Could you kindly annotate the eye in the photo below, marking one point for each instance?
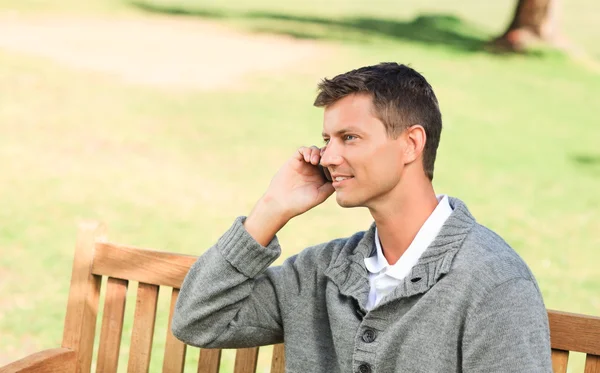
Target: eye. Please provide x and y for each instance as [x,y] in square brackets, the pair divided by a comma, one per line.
[349,137]
[326,141]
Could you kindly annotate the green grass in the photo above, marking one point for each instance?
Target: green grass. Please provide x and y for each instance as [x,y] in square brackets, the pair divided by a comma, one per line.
[172,169]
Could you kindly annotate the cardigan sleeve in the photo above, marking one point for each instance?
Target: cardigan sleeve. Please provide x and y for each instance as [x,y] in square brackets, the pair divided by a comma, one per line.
[230,298]
[508,331]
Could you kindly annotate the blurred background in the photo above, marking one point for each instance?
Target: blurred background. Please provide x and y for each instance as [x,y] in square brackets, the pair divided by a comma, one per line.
[166,119]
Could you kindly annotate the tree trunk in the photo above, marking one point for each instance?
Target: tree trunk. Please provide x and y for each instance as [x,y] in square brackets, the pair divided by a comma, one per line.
[534,21]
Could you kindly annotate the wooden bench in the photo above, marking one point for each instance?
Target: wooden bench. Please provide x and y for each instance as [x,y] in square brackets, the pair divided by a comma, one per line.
[96,258]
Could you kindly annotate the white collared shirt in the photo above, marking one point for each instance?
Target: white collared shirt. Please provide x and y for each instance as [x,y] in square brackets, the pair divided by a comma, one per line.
[383,278]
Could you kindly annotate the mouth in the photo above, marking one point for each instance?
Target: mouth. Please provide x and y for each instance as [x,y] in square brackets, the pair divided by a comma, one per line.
[339,181]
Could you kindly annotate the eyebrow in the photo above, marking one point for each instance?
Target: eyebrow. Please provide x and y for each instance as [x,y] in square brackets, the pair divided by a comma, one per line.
[343,131]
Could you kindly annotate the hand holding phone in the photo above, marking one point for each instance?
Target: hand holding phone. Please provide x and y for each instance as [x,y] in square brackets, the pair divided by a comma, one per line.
[293,190]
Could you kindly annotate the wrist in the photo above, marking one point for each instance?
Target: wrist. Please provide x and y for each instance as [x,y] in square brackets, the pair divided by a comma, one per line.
[274,208]
[265,220]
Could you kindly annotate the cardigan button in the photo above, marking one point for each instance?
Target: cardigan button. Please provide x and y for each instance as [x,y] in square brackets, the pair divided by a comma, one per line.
[368,336]
[364,368]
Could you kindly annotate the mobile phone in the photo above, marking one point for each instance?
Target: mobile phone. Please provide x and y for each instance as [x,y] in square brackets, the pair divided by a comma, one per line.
[325,172]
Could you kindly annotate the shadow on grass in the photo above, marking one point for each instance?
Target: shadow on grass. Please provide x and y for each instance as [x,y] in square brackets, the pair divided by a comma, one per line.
[588,162]
[444,30]
[587,159]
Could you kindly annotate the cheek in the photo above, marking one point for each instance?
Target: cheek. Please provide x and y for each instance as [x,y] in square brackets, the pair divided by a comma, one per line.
[385,160]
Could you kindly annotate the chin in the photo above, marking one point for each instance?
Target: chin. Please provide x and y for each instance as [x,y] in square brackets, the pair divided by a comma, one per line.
[346,202]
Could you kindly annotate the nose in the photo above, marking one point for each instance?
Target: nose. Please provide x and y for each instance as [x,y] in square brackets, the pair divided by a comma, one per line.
[330,157]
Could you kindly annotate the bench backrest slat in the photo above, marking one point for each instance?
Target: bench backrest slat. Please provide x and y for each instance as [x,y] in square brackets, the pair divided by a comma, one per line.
[592,364]
[278,360]
[560,358]
[210,361]
[135,264]
[112,325]
[245,360]
[143,328]
[573,332]
[174,358]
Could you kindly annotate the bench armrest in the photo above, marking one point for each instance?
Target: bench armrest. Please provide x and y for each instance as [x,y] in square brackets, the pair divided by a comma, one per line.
[56,360]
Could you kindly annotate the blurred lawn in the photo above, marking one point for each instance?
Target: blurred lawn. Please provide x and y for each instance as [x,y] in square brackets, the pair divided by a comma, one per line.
[171,169]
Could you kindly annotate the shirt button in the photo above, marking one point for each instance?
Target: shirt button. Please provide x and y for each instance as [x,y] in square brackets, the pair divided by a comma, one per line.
[364,368]
[368,336]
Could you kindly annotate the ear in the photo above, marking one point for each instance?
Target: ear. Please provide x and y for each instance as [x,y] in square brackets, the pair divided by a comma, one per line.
[415,139]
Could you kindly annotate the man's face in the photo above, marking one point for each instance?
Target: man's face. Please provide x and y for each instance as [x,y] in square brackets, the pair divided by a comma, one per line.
[364,162]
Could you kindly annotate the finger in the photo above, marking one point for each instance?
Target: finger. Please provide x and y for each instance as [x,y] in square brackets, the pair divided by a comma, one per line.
[303,154]
[307,154]
[315,156]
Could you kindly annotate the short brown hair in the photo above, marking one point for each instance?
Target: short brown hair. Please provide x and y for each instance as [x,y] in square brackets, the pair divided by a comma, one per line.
[401,97]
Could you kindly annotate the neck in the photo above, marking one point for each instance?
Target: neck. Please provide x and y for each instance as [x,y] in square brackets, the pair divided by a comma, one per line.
[399,222]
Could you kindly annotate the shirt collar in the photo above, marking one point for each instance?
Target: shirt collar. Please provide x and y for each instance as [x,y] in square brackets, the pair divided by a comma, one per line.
[377,262]
[422,240]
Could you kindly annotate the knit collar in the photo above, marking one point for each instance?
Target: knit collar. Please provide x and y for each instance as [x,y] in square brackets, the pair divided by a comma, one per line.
[349,273]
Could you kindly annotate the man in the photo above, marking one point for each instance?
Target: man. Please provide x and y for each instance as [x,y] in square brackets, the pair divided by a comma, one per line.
[425,289]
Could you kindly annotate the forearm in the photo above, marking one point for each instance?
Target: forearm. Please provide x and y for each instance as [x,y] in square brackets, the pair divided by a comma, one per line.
[265,220]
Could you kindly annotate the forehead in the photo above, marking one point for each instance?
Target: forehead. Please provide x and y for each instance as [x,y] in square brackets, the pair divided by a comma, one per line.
[353,111]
